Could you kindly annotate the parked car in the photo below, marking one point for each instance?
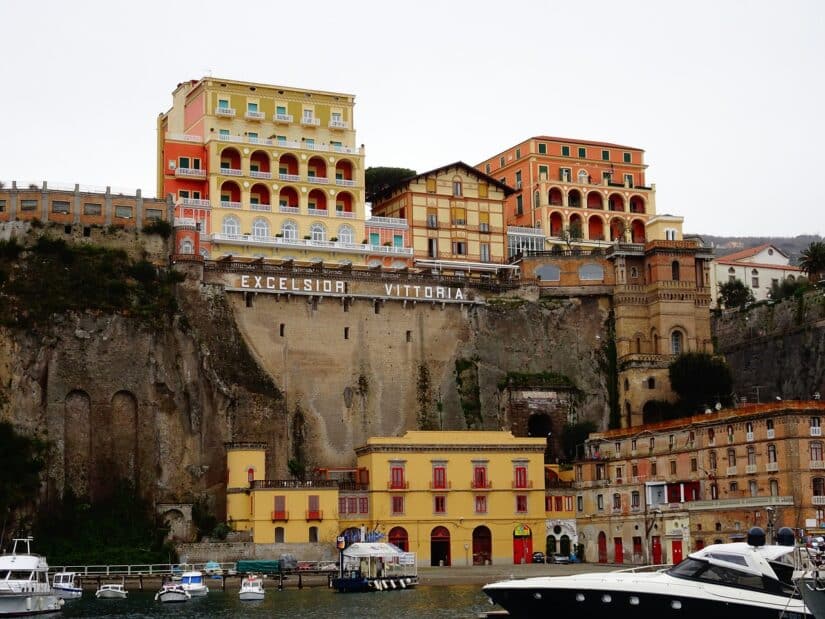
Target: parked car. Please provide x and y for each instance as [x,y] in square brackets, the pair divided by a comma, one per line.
[538,557]
[561,558]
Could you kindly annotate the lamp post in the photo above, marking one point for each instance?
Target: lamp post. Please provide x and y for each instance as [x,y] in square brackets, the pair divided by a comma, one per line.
[467,554]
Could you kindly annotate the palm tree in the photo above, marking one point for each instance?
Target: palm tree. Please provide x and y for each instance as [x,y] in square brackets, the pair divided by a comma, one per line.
[812,261]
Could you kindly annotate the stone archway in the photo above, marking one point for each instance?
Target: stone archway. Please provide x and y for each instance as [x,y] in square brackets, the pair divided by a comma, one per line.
[482,546]
[77,442]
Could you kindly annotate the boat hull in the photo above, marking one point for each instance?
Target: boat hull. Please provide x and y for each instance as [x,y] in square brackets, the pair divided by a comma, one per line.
[172,597]
[29,604]
[197,591]
[251,596]
[538,602]
[364,585]
[813,592]
[68,593]
[111,595]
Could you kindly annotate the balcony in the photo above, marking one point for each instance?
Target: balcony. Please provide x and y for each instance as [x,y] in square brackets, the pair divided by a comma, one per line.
[308,121]
[291,178]
[261,207]
[195,202]
[260,141]
[387,222]
[772,467]
[315,514]
[280,516]
[344,182]
[398,484]
[816,430]
[228,204]
[745,502]
[225,137]
[226,112]
[749,437]
[317,212]
[750,469]
[817,464]
[292,210]
[441,485]
[481,484]
[771,433]
[318,180]
[190,172]
[282,118]
[231,171]
[338,124]
[250,115]
[818,500]
[523,484]
[731,471]
[259,174]
[184,137]
[273,241]
[345,214]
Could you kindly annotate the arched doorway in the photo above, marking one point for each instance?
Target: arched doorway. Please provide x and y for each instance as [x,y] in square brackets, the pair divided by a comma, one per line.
[564,545]
[482,546]
[440,546]
[550,548]
[522,544]
[399,537]
[602,547]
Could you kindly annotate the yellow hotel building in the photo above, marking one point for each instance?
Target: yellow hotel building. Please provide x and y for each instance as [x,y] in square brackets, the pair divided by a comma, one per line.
[270,171]
[453,498]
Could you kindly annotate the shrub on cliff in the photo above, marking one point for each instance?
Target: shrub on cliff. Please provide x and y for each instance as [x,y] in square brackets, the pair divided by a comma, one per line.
[700,380]
[160,227]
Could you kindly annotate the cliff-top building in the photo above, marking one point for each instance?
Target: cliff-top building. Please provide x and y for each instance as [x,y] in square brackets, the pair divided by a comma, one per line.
[269,172]
[759,268]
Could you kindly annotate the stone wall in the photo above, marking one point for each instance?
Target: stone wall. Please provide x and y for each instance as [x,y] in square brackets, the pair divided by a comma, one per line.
[226,552]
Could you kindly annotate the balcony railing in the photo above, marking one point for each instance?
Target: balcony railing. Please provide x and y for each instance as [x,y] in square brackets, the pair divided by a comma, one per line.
[270,241]
[230,204]
[338,124]
[398,485]
[818,500]
[771,467]
[390,222]
[261,141]
[231,171]
[771,434]
[749,437]
[731,470]
[441,485]
[282,118]
[318,212]
[195,202]
[481,484]
[190,172]
[345,214]
[750,469]
[315,514]
[816,430]
[293,178]
[527,483]
[310,122]
[318,180]
[261,207]
[818,464]
[280,516]
[184,137]
[259,174]
[293,484]
[344,182]
[225,111]
[250,115]
[294,210]
[225,137]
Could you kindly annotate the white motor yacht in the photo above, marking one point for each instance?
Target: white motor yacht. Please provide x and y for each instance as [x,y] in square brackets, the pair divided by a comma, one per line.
[252,588]
[723,580]
[172,592]
[66,585]
[193,584]
[24,583]
[111,592]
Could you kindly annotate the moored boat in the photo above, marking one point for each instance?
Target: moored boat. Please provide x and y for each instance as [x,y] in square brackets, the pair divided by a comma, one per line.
[252,588]
[24,583]
[66,585]
[172,592]
[192,582]
[111,592]
[723,580]
[376,567]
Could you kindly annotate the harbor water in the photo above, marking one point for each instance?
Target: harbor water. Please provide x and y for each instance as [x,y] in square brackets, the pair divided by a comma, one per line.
[308,603]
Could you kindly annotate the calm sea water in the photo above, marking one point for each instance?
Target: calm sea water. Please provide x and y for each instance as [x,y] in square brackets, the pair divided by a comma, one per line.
[318,602]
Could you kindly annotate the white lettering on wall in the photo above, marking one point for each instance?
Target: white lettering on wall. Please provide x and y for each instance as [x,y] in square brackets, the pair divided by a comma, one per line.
[329,286]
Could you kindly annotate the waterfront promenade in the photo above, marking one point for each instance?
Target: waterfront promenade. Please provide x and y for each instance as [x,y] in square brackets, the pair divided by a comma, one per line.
[482,574]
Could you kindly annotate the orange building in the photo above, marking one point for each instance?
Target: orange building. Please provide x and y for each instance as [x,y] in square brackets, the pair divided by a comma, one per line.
[593,192]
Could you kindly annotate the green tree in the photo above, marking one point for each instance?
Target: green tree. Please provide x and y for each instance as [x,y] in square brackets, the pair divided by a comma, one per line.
[734,294]
[700,379]
[22,459]
[787,288]
[379,178]
[573,435]
[812,261]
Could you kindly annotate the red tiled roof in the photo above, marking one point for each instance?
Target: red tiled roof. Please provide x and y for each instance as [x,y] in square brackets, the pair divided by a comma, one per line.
[577,141]
[751,251]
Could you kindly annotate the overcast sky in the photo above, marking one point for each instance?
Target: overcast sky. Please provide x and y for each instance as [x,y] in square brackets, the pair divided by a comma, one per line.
[725,97]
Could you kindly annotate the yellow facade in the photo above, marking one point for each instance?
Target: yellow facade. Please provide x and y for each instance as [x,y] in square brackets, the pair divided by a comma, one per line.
[459,516]
[245,462]
[294,512]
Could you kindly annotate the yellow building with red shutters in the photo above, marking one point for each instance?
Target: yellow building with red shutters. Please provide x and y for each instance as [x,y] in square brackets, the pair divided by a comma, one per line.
[453,498]
[268,171]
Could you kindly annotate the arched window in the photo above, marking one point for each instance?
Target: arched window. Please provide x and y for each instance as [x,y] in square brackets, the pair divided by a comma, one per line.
[712,460]
[731,274]
[260,227]
[186,247]
[731,457]
[714,493]
[231,225]
[289,229]
[346,234]
[771,453]
[676,343]
[711,436]
[583,176]
[674,270]
[318,232]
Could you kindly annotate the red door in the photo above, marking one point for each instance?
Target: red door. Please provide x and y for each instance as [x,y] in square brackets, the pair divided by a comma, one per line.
[618,552]
[656,549]
[676,551]
[602,547]
[522,549]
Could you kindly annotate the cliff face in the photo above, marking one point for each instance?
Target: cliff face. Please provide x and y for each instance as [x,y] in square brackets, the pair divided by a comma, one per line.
[313,380]
[776,350]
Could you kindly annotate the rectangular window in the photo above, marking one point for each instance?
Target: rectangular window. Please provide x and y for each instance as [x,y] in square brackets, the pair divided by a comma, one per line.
[557,501]
[2,206]
[460,248]
[568,503]
[398,240]
[634,499]
[375,238]
[520,477]
[223,104]
[628,180]
[252,135]
[28,205]
[542,148]
[363,505]
[484,252]
[548,504]
[251,107]
[398,505]
[654,468]
[352,504]
[521,504]
[543,172]
[579,504]
[626,158]
[342,506]
[439,477]
[565,175]
[153,213]
[92,209]
[457,188]
[600,502]
[440,504]
[431,185]
[60,206]
[432,248]
[309,142]
[518,179]
[124,212]
[223,132]
[565,151]
[481,504]
[519,205]
[280,110]
[459,216]
[501,162]
[605,155]
[397,477]
[694,465]
[617,501]
[518,153]
[582,152]
[673,467]
[480,477]
[487,168]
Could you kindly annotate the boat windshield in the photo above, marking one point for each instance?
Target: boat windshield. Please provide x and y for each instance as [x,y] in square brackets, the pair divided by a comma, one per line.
[696,569]
[15,575]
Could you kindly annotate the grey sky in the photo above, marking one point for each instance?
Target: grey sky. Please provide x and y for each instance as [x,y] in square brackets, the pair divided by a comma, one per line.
[725,97]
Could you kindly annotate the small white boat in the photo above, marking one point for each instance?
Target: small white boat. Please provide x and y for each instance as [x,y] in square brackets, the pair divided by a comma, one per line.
[24,583]
[111,592]
[172,592]
[66,585]
[252,588]
[193,584]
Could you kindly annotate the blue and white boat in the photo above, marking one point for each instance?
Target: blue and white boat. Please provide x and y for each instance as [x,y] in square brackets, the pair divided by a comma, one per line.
[192,582]
[67,585]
